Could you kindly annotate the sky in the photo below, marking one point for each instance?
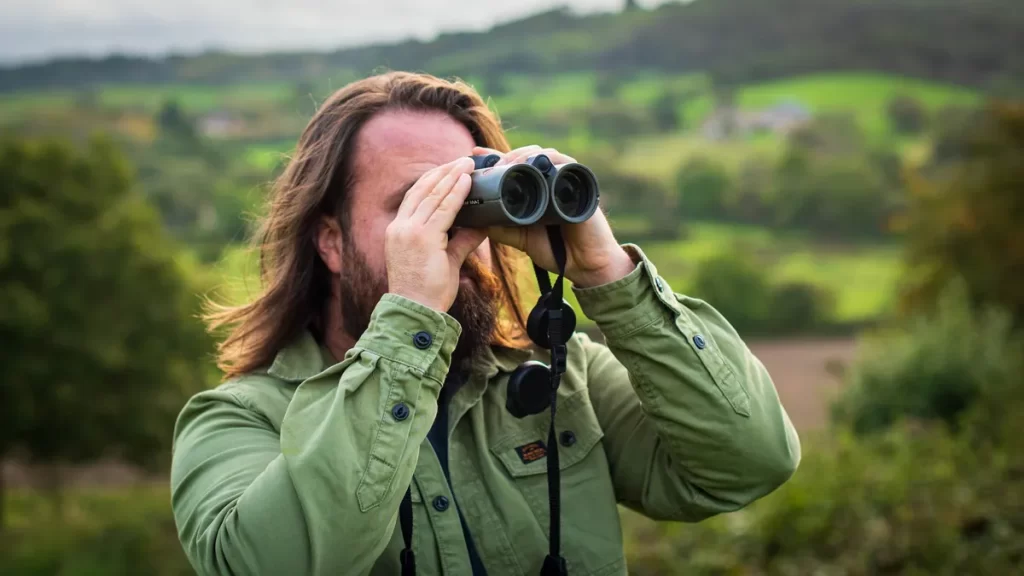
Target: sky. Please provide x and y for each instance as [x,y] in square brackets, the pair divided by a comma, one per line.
[34,30]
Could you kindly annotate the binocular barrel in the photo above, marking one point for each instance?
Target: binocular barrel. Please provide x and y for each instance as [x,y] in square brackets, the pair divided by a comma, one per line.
[535,192]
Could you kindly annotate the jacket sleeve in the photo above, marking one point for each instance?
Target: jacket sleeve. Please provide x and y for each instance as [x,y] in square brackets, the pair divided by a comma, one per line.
[321,495]
[693,424]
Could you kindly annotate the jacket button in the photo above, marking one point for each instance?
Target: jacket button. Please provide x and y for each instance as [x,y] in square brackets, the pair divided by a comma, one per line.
[400,411]
[441,503]
[567,438]
[422,340]
[698,341]
[657,282]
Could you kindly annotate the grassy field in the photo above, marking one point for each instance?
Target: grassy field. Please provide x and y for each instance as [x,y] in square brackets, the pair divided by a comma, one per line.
[865,95]
[862,277]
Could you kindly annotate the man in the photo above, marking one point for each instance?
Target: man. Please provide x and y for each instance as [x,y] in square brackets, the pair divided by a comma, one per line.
[375,363]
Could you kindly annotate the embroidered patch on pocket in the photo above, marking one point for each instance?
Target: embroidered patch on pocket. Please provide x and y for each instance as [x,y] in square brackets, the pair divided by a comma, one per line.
[532,451]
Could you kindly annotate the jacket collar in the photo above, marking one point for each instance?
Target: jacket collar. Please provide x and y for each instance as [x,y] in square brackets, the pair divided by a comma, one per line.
[304,358]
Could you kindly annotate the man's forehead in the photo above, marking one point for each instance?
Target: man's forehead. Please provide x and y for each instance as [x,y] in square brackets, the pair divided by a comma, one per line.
[412,139]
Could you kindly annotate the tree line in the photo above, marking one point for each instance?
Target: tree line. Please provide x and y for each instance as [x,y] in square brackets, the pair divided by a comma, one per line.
[979,44]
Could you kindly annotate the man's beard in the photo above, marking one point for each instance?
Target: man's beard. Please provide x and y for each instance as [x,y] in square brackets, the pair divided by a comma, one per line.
[475,306]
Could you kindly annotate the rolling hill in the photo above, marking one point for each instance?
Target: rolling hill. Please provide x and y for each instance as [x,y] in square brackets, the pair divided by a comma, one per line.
[979,44]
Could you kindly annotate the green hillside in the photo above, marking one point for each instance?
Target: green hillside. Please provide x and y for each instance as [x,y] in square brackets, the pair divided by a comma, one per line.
[735,41]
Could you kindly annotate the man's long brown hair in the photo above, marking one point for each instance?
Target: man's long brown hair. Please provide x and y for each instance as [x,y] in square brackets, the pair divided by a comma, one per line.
[295,282]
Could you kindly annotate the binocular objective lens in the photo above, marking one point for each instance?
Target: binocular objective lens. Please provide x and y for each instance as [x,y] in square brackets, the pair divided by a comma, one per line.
[571,194]
[520,195]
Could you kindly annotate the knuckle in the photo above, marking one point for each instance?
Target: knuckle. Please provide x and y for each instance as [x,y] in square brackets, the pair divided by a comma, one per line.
[397,231]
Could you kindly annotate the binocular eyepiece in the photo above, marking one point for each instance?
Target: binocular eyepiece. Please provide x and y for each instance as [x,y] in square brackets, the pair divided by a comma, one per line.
[536,192]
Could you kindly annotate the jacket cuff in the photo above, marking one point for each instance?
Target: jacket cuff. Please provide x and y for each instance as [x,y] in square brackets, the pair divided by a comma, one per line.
[407,332]
[631,303]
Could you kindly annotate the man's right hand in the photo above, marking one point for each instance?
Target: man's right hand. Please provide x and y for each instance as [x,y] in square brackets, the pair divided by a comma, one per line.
[422,261]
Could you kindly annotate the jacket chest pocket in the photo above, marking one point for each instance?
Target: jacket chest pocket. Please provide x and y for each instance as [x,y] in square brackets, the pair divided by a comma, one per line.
[591,533]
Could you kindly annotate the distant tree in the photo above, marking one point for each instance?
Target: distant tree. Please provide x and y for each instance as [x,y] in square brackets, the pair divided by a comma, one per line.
[645,199]
[173,121]
[836,197]
[748,198]
[607,84]
[966,214]
[101,343]
[801,307]
[737,286]
[703,185]
[612,120]
[665,112]
[833,133]
[830,183]
[907,115]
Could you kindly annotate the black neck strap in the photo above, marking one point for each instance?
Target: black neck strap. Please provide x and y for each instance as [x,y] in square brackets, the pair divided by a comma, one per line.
[554,564]
[405,519]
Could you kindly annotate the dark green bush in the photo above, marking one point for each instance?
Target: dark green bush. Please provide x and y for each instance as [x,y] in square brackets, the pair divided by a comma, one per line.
[108,532]
[935,368]
[738,286]
[801,307]
[911,500]
[703,185]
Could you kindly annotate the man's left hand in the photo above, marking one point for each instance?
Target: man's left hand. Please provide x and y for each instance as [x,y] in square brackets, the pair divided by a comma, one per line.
[593,256]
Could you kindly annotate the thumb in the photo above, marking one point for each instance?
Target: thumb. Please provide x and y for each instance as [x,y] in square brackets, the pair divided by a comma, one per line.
[463,242]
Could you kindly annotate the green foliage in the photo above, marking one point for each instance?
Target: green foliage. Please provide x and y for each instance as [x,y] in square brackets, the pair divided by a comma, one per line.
[934,368]
[916,496]
[703,185]
[966,212]
[908,501]
[665,112]
[736,41]
[630,197]
[907,115]
[738,287]
[101,340]
[829,184]
[118,532]
[802,307]
[611,120]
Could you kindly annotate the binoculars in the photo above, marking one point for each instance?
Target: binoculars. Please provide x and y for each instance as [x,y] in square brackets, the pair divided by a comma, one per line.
[535,192]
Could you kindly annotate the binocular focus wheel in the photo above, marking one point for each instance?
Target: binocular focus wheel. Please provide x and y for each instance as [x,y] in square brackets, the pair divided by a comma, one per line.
[528,389]
[537,323]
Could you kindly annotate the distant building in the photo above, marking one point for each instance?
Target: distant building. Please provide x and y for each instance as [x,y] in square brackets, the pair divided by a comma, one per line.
[780,119]
[221,124]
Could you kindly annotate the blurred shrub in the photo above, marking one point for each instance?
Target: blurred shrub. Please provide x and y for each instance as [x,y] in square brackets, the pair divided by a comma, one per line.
[738,287]
[907,115]
[910,500]
[934,369]
[801,307]
[101,343]
[646,199]
[832,197]
[966,210]
[702,185]
[614,120]
[113,532]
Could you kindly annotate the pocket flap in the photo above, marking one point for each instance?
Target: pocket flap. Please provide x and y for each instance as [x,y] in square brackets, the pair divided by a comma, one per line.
[523,451]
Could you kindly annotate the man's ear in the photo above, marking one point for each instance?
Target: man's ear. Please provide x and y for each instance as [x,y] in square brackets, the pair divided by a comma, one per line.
[329,243]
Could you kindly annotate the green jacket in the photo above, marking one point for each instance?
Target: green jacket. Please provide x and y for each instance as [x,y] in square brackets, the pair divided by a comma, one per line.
[300,468]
